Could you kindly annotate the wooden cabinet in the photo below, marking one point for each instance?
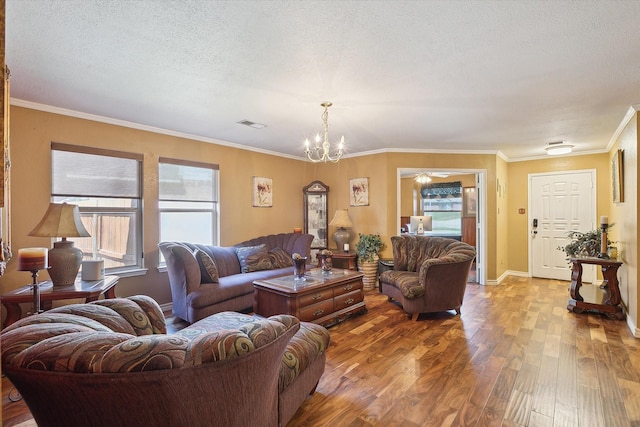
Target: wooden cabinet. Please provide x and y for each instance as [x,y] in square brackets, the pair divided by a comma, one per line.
[315,213]
[469,230]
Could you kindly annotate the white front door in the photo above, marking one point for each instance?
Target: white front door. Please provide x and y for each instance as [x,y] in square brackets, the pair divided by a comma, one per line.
[558,203]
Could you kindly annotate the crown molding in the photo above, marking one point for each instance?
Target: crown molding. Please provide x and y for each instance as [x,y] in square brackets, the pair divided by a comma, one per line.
[632,111]
[138,126]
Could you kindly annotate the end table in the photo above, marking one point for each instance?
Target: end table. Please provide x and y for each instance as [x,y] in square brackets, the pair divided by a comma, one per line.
[604,299]
[89,290]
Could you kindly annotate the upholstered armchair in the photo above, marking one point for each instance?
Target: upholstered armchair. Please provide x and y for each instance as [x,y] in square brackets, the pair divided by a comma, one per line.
[429,273]
[110,363]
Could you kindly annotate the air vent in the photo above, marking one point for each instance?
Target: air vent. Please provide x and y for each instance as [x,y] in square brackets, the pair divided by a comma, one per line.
[252,124]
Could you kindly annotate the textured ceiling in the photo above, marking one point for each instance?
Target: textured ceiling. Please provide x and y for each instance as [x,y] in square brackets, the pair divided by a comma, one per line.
[504,76]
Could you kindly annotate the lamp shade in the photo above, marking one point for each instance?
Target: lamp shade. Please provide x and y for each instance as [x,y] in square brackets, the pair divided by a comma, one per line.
[341,219]
[60,220]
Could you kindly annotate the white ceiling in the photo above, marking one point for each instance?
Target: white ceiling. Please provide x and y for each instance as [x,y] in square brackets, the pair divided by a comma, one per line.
[504,76]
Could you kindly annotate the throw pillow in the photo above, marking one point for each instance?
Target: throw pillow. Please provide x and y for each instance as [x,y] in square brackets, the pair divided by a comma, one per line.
[253,258]
[280,258]
[208,268]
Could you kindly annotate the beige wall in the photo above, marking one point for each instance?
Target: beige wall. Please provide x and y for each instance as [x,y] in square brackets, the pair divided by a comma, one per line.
[32,132]
[502,189]
[518,197]
[624,215]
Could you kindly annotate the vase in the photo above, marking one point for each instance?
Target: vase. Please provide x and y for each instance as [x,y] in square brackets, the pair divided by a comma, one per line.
[326,263]
[299,268]
[370,271]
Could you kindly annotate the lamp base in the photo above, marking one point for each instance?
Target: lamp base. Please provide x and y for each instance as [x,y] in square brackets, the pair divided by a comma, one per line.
[341,237]
[64,263]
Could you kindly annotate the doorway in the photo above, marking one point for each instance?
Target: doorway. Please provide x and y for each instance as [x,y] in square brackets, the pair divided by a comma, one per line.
[558,203]
[480,207]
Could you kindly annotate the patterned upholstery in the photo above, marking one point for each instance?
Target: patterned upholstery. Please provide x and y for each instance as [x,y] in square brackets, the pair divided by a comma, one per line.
[429,273]
[309,344]
[120,346]
[117,335]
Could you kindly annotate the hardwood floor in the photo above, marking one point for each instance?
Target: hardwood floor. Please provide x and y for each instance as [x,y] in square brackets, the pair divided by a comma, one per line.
[515,357]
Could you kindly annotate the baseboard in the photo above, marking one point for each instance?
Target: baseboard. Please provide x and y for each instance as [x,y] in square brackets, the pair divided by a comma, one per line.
[506,274]
[632,327]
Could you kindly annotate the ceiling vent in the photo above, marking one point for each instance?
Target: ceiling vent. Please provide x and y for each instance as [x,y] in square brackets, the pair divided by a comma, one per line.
[252,124]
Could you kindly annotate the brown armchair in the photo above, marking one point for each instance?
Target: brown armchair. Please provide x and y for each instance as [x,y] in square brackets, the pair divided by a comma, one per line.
[110,363]
[429,273]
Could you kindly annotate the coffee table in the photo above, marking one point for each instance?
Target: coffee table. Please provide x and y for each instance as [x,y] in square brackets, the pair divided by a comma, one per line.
[322,298]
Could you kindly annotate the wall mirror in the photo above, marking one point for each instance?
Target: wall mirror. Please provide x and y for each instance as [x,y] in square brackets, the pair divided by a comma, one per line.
[315,213]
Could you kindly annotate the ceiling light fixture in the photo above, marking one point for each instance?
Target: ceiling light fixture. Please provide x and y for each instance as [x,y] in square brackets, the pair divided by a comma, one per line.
[423,178]
[559,147]
[320,152]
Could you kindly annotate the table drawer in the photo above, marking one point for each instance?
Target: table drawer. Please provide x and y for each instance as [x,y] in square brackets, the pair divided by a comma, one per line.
[346,300]
[347,287]
[315,297]
[316,311]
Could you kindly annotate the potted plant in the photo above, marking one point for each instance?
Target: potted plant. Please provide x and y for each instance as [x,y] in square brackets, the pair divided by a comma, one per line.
[584,244]
[368,248]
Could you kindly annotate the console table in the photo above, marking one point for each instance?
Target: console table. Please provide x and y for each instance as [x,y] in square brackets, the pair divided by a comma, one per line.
[604,299]
[348,260]
[89,290]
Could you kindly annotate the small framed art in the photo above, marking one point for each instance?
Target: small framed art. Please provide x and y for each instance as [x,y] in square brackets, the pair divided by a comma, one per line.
[617,177]
[359,191]
[262,192]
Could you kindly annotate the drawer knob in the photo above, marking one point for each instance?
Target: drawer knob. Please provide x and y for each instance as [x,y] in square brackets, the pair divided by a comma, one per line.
[317,296]
[348,287]
[318,312]
[349,301]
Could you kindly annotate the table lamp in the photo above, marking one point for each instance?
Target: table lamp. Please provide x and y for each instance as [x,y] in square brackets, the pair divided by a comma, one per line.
[33,260]
[341,236]
[62,220]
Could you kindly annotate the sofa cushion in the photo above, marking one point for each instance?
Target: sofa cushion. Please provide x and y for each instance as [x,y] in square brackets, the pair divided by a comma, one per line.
[253,258]
[408,282]
[309,343]
[208,268]
[280,258]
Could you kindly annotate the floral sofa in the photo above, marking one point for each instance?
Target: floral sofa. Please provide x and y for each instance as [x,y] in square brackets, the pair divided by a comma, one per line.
[209,279]
[109,362]
[429,273]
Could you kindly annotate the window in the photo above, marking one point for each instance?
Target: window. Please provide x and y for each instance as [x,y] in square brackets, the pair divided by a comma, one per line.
[106,186]
[188,201]
[443,201]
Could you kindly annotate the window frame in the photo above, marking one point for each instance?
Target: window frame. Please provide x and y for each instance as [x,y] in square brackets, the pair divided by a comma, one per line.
[138,211]
[215,200]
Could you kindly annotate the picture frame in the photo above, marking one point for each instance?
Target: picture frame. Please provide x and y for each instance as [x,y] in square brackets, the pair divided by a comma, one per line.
[469,202]
[359,191]
[262,192]
[617,177]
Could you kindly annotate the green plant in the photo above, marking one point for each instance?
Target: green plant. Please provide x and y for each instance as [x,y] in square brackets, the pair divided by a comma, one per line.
[584,244]
[368,247]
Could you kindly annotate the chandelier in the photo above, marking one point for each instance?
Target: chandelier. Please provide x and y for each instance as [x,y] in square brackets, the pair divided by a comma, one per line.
[320,152]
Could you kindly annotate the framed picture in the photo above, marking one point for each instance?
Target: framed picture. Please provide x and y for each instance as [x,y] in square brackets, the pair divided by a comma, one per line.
[469,201]
[359,191]
[617,177]
[262,192]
